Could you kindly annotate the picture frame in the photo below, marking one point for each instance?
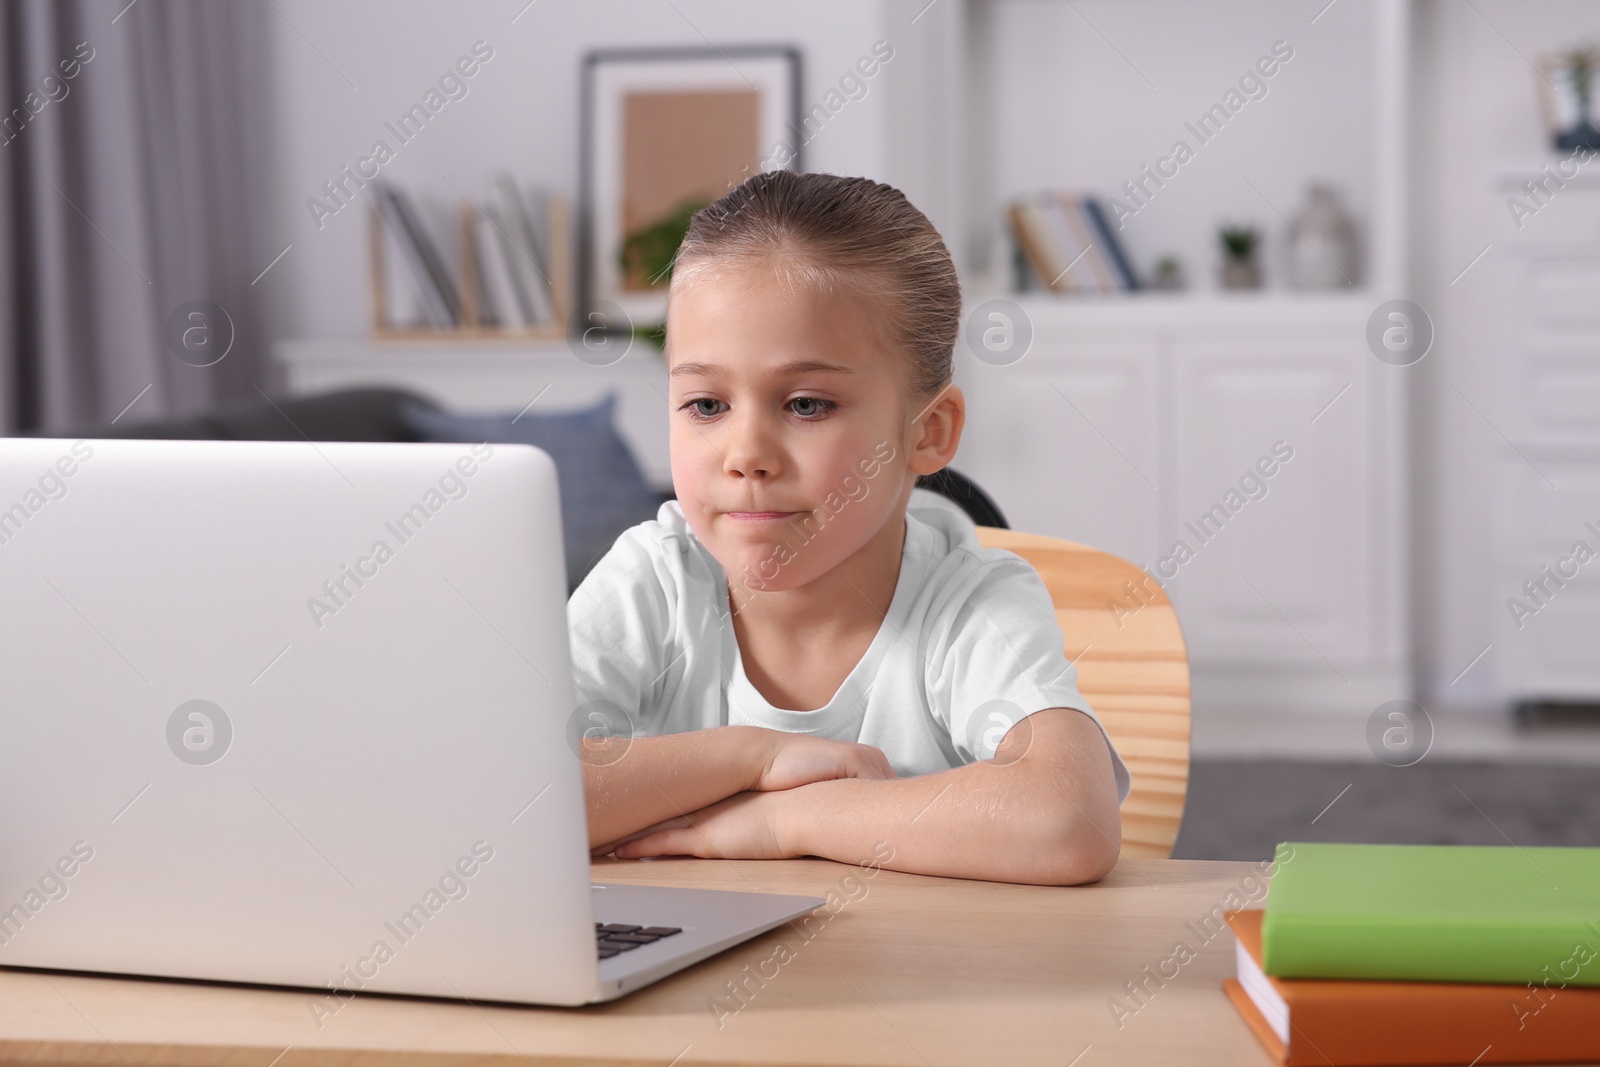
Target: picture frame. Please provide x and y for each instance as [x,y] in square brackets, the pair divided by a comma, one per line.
[1569,98]
[665,131]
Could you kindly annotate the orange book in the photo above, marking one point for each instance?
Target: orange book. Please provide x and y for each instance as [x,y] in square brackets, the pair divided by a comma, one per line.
[1095,260]
[1318,1023]
[1037,246]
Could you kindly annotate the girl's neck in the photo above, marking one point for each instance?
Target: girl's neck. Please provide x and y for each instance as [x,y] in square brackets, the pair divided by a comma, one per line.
[852,595]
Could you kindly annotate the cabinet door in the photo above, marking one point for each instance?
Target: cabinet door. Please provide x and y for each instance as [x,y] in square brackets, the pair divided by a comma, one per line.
[1553,387]
[1066,442]
[1547,587]
[1278,568]
[1546,398]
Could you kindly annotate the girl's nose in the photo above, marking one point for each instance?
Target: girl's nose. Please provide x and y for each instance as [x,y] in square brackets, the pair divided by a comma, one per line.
[748,449]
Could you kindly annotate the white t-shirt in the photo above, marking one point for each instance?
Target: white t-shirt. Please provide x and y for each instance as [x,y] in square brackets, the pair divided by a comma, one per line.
[969,647]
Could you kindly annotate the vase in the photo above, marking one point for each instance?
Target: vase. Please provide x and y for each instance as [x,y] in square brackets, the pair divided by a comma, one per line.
[1322,243]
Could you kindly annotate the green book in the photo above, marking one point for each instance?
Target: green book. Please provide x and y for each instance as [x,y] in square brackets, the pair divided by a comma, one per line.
[1434,913]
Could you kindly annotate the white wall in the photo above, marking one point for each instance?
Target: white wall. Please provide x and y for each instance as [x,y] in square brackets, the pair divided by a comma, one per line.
[1061,77]
[521,111]
[1087,94]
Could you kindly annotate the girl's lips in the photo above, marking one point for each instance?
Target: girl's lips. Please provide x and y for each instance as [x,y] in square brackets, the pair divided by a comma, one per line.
[758,516]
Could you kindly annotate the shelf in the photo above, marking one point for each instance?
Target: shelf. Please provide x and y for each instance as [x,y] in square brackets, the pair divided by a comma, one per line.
[1509,176]
[1195,307]
[472,334]
[426,351]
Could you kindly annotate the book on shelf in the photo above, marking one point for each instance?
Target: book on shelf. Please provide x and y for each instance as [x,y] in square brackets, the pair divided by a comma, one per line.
[1069,249]
[402,301]
[1067,244]
[531,270]
[493,265]
[501,300]
[1310,1022]
[431,287]
[1096,268]
[1113,250]
[1031,236]
[440,222]
[1434,913]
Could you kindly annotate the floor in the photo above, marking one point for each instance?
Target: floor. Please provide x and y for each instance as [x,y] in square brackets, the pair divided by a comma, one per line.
[1239,809]
[1489,736]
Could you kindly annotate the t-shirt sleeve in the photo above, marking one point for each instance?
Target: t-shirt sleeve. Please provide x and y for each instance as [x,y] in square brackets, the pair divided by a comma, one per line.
[1003,660]
[619,620]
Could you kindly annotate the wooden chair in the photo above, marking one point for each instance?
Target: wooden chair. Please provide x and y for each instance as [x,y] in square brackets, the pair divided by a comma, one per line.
[1123,635]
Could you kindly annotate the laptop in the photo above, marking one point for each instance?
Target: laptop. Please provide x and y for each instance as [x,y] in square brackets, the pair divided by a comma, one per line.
[302,714]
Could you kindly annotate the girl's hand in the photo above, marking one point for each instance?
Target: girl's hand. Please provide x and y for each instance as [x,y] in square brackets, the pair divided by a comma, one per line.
[746,826]
[799,759]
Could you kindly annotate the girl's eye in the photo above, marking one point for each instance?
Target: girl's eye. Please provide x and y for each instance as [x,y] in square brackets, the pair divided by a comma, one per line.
[697,408]
[705,408]
[810,407]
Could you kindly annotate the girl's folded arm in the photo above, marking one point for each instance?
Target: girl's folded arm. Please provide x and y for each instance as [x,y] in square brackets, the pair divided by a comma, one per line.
[1044,811]
[634,783]
[631,783]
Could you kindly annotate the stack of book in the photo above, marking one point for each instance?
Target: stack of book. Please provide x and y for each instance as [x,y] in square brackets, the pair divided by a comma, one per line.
[1400,954]
[1070,245]
[489,263]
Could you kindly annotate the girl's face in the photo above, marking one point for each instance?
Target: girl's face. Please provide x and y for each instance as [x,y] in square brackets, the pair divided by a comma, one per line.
[790,423]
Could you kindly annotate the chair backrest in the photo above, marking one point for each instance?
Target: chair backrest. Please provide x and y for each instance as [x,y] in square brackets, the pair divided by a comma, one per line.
[1123,634]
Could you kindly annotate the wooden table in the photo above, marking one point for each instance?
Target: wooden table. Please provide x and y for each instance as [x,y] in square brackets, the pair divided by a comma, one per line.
[907,970]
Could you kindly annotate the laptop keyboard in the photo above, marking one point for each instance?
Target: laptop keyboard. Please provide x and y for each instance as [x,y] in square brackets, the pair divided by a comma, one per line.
[612,938]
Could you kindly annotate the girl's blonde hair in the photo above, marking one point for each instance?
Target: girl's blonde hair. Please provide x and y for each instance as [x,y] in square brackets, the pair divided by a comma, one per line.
[840,235]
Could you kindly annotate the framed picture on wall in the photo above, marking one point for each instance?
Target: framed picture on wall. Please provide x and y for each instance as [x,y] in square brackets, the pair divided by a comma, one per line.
[665,132]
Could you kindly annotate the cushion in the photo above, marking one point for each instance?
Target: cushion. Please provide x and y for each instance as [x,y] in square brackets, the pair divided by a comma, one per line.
[603,491]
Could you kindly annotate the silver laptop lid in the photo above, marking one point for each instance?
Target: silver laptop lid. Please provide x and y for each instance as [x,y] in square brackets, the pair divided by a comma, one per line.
[290,713]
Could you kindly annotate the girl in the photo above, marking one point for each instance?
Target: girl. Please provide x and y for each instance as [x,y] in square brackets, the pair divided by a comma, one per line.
[805,659]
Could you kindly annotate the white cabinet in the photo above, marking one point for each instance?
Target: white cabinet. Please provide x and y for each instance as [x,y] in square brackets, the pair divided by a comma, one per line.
[1547,569]
[1282,575]
[1549,646]
[1070,450]
[1242,451]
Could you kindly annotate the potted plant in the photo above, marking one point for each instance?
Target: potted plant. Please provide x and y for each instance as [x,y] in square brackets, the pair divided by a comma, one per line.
[1240,268]
[1168,274]
[648,254]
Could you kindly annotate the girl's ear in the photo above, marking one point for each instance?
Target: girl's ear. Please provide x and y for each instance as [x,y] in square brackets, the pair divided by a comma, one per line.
[936,432]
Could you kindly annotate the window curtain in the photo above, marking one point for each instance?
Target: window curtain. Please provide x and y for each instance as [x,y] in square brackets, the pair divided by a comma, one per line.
[131,169]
